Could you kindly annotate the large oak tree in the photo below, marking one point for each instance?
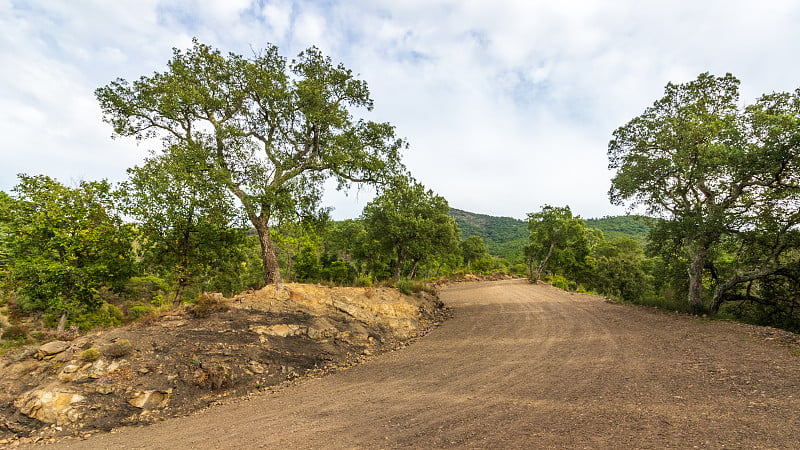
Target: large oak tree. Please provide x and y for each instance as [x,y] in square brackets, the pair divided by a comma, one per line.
[717,171]
[268,130]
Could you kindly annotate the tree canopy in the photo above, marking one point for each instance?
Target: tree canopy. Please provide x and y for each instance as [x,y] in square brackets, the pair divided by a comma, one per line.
[67,243]
[268,130]
[411,224]
[716,171]
[557,239]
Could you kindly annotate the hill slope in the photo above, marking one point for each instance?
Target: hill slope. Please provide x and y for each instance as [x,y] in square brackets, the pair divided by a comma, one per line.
[613,227]
[504,236]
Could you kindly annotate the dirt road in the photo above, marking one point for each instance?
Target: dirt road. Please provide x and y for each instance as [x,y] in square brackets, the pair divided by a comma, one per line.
[525,366]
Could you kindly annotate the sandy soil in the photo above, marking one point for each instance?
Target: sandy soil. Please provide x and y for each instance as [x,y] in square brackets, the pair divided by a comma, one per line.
[525,366]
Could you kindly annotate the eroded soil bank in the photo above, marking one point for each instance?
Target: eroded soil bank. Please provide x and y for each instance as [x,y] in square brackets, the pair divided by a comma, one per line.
[190,358]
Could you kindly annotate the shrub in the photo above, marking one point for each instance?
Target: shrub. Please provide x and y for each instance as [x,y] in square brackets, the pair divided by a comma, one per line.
[363,281]
[118,349]
[107,315]
[139,311]
[207,304]
[410,287]
[90,354]
[562,283]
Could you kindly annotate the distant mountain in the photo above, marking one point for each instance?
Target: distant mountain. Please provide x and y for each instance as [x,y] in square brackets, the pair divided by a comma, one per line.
[504,236]
[636,227]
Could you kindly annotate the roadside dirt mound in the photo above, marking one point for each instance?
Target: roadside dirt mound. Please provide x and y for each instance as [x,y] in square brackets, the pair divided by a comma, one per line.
[195,356]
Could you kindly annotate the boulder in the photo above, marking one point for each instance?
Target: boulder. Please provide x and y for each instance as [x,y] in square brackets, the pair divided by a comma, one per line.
[52,348]
[150,399]
[50,406]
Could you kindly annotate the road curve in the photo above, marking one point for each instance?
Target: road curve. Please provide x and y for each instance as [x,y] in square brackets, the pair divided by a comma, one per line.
[523,365]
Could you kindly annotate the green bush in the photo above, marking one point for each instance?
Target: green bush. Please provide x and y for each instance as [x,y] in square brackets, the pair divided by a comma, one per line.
[363,281]
[107,315]
[118,349]
[411,287]
[138,311]
[562,283]
[90,354]
[207,304]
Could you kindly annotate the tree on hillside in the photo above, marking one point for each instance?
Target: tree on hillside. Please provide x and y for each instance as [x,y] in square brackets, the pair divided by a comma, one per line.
[67,243]
[410,224]
[714,170]
[473,249]
[557,241]
[620,269]
[268,131]
[184,221]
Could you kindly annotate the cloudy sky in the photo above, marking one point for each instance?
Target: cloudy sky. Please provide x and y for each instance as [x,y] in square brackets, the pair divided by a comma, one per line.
[507,105]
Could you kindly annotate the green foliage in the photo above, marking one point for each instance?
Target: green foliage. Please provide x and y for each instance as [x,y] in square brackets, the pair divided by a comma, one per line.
[473,249]
[412,287]
[118,349]
[67,243]
[725,177]
[182,218]
[90,354]
[207,304]
[410,226]
[634,227]
[561,282]
[504,237]
[621,270]
[106,315]
[136,312]
[558,242]
[267,131]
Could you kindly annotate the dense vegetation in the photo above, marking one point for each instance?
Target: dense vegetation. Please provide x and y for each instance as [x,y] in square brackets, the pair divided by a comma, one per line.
[504,236]
[231,201]
[634,227]
[724,180]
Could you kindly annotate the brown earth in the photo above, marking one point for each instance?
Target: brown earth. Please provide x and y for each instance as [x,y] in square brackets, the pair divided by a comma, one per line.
[191,358]
[524,365]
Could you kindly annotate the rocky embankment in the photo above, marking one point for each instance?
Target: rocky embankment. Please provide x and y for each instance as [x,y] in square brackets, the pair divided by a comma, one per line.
[192,357]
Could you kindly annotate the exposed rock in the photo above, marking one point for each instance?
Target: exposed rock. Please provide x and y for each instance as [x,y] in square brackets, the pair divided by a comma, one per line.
[281,330]
[52,348]
[150,399]
[50,406]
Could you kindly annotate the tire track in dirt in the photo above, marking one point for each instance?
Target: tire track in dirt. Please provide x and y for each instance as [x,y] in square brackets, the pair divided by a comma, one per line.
[523,366]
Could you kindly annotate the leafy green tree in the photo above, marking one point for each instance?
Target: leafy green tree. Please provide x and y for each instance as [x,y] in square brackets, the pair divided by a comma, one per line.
[184,222]
[711,167]
[473,249]
[558,241]
[411,224]
[67,243]
[621,269]
[6,203]
[269,132]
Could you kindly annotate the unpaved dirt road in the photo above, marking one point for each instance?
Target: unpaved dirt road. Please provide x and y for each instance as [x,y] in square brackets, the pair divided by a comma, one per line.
[524,366]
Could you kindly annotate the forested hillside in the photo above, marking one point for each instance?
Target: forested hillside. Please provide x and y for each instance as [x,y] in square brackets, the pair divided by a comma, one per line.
[636,227]
[504,236]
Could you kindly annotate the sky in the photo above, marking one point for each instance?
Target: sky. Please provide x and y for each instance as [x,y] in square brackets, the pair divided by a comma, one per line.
[507,105]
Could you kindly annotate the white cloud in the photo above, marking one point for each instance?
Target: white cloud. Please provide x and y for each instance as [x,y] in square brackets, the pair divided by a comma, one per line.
[507,104]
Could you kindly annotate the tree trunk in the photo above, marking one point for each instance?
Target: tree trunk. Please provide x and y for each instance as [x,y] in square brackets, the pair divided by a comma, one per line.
[399,267]
[542,265]
[272,272]
[62,322]
[414,269]
[698,255]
